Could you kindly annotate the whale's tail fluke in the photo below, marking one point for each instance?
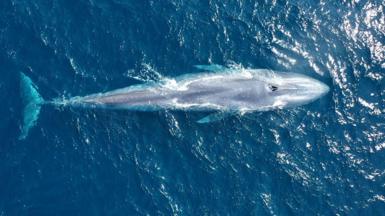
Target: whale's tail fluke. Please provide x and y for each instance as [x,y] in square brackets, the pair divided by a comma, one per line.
[32,102]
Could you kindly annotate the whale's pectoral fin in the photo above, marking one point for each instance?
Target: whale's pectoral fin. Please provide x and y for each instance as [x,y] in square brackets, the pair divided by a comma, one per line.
[211,67]
[215,117]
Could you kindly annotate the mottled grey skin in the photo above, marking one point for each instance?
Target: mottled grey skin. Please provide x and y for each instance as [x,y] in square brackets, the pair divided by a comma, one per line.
[233,90]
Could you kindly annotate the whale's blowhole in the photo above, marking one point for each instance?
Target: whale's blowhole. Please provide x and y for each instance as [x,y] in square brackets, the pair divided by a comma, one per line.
[273,87]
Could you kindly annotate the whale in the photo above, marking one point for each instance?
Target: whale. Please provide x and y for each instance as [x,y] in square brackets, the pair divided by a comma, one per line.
[225,91]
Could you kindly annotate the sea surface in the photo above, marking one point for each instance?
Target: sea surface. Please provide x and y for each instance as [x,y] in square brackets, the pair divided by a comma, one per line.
[325,158]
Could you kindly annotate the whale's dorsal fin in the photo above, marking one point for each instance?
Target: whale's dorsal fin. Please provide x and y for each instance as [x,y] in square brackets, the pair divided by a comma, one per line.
[211,67]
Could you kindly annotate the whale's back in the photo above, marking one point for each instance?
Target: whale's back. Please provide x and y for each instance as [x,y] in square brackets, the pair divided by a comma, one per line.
[200,92]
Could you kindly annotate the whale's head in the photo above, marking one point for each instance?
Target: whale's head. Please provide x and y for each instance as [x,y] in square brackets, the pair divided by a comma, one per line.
[291,89]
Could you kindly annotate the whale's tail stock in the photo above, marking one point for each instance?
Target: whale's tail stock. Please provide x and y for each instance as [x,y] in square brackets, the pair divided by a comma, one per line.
[32,102]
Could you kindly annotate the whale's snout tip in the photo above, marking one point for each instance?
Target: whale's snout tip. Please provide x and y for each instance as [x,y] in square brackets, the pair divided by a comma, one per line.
[322,88]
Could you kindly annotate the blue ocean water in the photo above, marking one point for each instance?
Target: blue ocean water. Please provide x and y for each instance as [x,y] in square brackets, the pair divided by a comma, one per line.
[325,158]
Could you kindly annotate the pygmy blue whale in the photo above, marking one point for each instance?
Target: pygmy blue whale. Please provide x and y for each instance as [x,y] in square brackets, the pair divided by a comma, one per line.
[225,90]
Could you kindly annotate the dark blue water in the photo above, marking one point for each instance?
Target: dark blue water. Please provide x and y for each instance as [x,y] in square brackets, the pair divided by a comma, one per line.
[325,158]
